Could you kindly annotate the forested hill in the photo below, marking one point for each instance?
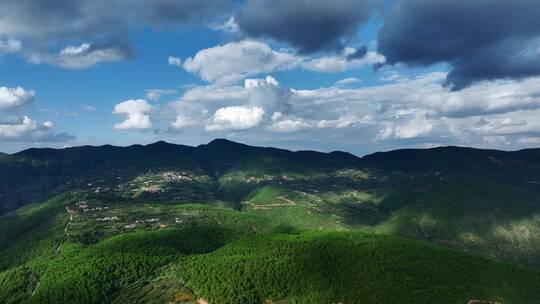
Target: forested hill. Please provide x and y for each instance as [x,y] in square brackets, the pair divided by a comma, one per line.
[219,153]
[455,159]
[36,174]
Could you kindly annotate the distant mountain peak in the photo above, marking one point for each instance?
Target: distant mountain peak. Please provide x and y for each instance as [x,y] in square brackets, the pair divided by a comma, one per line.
[223,141]
[159,143]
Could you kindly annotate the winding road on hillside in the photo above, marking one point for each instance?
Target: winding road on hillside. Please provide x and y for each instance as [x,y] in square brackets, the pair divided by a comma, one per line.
[65,229]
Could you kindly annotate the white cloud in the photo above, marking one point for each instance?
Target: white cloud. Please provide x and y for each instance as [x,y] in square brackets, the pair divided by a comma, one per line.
[136,112]
[14,98]
[82,56]
[197,105]
[10,46]
[347,120]
[341,62]
[486,98]
[230,26]
[495,139]
[391,76]
[421,110]
[347,81]
[24,126]
[414,129]
[176,61]
[522,122]
[236,118]
[182,121]
[415,111]
[237,60]
[287,124]
[232,62]
[268,94]
[27,129]
[156,94]
[528,140]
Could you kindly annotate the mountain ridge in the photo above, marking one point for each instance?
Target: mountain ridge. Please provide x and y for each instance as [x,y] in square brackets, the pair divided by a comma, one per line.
[30,175]
[222,140]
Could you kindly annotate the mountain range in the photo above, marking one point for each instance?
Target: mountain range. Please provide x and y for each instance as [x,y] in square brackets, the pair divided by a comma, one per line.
[232,223]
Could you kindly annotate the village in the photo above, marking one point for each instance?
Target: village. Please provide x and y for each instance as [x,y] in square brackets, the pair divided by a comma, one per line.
[91,215]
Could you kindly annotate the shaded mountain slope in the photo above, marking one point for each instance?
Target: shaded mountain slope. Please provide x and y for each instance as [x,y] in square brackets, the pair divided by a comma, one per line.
[521,168]
[474,215]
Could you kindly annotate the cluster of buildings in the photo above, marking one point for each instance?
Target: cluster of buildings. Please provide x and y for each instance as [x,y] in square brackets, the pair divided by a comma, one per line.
[107,219]
[151,220]
[154,189]
[176,177]
[259,179]
[83,205]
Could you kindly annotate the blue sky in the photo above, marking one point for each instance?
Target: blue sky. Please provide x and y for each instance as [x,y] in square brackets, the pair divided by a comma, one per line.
[359,76]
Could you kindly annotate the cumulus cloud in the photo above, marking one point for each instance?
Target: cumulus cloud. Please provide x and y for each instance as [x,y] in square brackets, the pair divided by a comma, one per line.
[308,25]
[480,40]
[14,98]
[420,110]
[27,129]
[268,94]
[208,105]
[9,46]
[235,118]
[83,56]
[237,60]
[417,109]
[136,113]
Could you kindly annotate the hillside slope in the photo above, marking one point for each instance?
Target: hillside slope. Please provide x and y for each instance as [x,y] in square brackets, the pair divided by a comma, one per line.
[226,256]
[350,268]
[474,215]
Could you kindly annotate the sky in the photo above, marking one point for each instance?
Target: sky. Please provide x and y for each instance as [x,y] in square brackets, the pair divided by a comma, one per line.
[353,75]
